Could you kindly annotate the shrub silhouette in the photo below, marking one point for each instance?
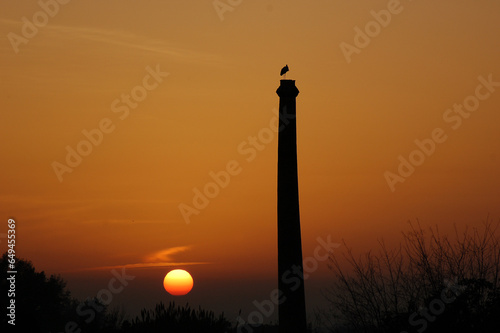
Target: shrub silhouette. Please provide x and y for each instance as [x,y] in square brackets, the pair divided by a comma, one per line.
[429,283]
[174,319]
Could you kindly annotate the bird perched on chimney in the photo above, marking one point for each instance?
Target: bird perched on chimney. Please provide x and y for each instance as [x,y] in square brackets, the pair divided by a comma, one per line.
[284,70]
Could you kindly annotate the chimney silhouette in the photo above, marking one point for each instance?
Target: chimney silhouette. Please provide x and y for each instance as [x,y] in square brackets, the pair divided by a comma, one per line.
[292,310]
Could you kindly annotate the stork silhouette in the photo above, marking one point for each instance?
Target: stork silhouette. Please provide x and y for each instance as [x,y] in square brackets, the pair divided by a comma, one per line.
[284,70]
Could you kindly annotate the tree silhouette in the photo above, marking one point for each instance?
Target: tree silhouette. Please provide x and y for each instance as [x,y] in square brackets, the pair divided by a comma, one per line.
[42,303]
[429,283]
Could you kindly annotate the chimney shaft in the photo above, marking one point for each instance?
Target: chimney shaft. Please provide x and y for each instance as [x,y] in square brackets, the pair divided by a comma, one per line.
[292,312]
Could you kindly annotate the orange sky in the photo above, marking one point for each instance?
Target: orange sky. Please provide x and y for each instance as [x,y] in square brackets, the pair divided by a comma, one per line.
[358,111]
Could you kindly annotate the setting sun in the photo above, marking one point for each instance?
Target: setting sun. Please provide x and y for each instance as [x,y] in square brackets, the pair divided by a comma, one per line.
[178,282]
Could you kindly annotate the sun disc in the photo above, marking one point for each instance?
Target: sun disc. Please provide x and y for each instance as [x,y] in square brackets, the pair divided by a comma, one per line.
[178,282]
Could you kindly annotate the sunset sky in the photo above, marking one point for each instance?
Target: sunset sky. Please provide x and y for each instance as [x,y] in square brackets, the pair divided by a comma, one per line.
[204,81]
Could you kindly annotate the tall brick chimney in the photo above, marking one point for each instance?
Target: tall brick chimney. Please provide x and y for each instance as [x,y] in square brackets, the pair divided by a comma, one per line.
[292,311]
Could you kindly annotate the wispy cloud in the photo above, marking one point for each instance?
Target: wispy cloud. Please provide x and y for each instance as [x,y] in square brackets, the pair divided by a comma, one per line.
[123,39]
[165,255]
[162,258]
[10,22]
[57,210]
[128,40]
